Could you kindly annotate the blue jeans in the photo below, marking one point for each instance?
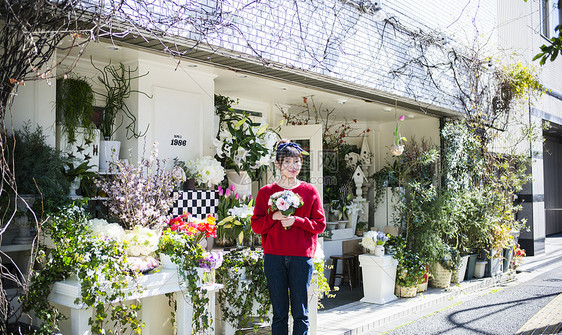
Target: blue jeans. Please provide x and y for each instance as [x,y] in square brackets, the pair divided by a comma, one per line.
[288,278]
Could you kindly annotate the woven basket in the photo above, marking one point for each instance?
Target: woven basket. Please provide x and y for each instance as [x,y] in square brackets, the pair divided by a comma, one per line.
[405,292]
[422,287]
[441,277]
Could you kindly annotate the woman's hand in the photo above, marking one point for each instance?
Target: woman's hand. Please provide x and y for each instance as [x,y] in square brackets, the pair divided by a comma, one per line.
[278,216]
[288,222]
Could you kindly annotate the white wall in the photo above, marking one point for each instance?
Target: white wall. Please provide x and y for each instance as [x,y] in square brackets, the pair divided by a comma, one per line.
[35,102]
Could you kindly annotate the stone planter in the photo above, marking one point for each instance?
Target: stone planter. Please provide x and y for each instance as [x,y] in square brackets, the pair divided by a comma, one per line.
[470,266]
[507,256]
[458,275]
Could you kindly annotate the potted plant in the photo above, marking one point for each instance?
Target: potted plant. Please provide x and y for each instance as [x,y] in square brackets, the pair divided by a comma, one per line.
[245,147]
[146,185]
[75,173]
[361,228]
[409,273]
[75,107]
[181,243]
[238,222]
[397,148]
[38,167]
[116,79]
[245,294]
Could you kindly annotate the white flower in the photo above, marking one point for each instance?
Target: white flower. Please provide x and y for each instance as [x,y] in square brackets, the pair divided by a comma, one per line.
[206,170]
[241,155]
[242,212]
[264,160]
[142,241]
[369,240]
[106,231]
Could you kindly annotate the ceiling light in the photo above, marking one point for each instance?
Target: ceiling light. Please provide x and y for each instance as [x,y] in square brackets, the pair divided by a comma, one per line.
[283,88]
[341,101]
[387,109]
[191,65]
[242,75]
[112,47]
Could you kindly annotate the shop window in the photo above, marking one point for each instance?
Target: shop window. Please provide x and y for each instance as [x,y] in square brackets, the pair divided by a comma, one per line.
[549,17]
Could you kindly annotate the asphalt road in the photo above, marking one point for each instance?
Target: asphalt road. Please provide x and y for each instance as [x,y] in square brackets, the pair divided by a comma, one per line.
[500,310]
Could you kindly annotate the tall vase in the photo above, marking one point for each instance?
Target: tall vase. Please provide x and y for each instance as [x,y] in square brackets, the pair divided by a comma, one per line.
[241,182]
[109,153]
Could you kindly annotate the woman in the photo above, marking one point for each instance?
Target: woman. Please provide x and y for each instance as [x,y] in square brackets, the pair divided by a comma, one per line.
[289,242]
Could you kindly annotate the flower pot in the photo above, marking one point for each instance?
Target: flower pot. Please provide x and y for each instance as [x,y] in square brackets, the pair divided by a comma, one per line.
[109,153]
[494,266]
[507,256]
[441,277]
[470,266]
[379,250]
[396,150]
[189,184]
[74,186]
[241,182]
[342,224]
[458,275]
[332,225]
[405,292]
[479,269]
[166,262]
[422,287]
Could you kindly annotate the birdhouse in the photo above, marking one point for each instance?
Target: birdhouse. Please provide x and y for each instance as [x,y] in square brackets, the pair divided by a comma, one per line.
[366,155]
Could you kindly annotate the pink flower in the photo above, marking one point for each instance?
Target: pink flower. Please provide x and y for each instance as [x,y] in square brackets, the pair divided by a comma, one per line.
[236,196]
[401,118]
[227,193]
[220,191]
[232,187]
[282,205]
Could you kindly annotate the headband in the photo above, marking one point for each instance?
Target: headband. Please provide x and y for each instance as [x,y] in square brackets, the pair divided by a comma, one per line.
[293,145]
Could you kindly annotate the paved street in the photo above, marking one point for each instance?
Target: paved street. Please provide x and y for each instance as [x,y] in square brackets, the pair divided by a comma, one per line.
[503,305]
[499,310]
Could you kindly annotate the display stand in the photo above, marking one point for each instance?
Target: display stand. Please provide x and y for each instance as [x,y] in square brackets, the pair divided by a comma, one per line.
[67,292]
[379,276]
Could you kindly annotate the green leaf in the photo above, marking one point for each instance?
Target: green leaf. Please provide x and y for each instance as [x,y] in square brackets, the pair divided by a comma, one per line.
[261,130]
[240,123]
[225,220]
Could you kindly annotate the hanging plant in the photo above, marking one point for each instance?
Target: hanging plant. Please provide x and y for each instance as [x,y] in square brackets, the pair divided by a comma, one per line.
[397,148]
[75,106]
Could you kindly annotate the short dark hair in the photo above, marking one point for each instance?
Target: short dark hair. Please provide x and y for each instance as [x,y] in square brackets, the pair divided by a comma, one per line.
[286,151]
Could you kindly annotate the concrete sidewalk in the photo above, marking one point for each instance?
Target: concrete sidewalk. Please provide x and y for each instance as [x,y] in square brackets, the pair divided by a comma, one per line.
[365,318]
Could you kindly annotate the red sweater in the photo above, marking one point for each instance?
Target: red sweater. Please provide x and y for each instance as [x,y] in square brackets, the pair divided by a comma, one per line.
[301,239]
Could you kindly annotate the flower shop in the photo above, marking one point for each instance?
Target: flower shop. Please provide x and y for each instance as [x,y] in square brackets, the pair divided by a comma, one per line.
[150,193]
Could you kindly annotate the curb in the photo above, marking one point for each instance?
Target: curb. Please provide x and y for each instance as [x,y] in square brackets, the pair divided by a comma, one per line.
[360,318]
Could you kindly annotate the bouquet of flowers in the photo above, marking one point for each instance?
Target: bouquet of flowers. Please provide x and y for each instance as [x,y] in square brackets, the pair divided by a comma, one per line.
[373,238]
[285,201]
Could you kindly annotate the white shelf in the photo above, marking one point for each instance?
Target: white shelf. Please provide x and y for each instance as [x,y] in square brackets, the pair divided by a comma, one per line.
[15,247]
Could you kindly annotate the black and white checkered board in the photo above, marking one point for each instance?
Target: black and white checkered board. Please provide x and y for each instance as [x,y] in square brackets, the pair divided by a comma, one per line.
[199,203]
